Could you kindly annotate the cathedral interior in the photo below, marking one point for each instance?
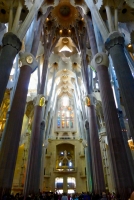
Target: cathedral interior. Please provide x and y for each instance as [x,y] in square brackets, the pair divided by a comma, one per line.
[67,96]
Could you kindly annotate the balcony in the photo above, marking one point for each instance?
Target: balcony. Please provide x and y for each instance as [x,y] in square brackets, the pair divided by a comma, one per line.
[64,138]
[65,170]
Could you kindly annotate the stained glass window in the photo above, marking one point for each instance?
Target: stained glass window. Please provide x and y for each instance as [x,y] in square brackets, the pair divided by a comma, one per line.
[65,115]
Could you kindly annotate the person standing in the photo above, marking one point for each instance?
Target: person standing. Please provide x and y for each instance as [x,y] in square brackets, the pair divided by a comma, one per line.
[64,196]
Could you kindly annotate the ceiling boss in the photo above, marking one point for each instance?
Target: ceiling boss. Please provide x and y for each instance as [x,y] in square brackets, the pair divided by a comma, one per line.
[65,14]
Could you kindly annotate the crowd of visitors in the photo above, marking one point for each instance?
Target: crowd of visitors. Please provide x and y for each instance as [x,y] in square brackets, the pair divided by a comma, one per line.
[64,196]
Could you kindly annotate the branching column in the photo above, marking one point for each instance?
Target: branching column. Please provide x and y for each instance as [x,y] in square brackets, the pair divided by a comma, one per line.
[121,170]
[11,43]
[11,46]
[12,131]
[98,176]
[11,135]
[33,168]
[115,45]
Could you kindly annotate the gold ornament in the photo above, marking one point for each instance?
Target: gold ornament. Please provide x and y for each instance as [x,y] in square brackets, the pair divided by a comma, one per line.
[87,101]
[42,101]
[65,14]
[29,59]
[65,40]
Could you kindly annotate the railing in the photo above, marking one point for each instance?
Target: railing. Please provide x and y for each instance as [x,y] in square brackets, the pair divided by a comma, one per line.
[64,138]
[65,170]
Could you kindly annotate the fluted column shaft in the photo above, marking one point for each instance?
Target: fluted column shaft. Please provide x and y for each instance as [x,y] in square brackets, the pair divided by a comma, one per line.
[11,45]
[32,173]
[50,95]
[121,170]
[91,35]
[99,185]
[33,167]
[11,135]
[115,45]
[89,159]
[98,175]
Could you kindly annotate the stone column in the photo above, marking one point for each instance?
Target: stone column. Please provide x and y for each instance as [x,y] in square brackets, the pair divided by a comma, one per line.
[47,133]
[125,138]
[37,33]
[89,160]
[11,46]
[33,167]
[79,96]
[121,170]
[79,117]
[32,179]
[50,94]
[91,35]
[115,45]
[40,150]
[98,175]
[11,135]
[65,184]
[45,145]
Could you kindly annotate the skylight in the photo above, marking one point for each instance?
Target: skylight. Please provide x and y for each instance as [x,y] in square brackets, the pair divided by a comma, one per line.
[65,48]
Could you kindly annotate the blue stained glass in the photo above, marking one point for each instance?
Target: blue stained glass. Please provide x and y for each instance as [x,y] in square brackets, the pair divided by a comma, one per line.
[58,122]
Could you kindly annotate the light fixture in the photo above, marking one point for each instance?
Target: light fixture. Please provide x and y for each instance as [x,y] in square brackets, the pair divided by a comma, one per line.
[60,31]
[130,45]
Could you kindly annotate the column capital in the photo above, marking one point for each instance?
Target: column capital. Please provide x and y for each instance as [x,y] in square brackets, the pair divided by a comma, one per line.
[12,40]
[114,38]
[28,59]
[100,59]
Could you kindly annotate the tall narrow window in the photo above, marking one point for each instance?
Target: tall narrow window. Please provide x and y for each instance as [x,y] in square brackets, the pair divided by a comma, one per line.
[59,183]
[65,114]
[71,182]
